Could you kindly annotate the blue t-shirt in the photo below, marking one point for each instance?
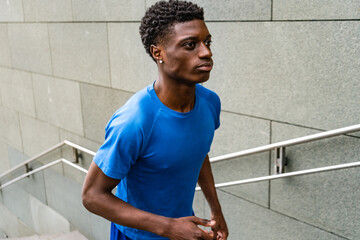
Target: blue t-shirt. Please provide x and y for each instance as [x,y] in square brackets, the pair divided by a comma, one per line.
[158,153]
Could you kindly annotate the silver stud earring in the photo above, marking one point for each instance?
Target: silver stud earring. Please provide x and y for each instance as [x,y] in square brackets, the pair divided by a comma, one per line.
[160,61]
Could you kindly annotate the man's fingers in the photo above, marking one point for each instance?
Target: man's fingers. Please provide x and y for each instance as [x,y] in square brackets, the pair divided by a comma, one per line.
[221,235]
[204,222]
[209,235]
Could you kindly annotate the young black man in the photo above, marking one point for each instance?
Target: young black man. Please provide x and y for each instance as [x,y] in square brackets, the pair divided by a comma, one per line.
[156,146]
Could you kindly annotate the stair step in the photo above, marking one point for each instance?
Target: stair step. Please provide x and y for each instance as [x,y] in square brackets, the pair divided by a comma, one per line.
[49,237]
[34,237]
[75,235]
[71,236]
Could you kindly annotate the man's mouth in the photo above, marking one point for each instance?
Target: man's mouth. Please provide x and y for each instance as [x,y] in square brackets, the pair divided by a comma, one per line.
[207,67]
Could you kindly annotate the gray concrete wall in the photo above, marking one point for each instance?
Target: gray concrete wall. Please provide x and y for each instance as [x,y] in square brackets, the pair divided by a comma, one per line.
[283,69]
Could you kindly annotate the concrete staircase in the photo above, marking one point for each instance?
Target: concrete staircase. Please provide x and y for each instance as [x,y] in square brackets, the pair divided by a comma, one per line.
[60,236]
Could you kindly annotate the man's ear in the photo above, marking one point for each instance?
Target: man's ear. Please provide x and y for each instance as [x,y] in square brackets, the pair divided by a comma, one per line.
[156,52]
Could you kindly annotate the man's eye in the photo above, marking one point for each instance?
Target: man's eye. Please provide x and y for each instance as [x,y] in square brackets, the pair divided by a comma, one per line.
[189,44]
[208,43]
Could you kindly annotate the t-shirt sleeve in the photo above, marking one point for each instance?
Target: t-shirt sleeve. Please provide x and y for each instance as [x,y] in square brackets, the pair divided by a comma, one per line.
[214,102]
[217,104]
[123,141]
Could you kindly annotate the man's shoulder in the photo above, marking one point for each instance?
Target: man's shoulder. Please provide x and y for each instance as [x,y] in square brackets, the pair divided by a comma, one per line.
[139,111]
[211,100]
[208,95]
[140,100]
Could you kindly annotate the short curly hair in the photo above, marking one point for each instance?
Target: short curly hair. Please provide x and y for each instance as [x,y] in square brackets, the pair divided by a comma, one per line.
[161,17]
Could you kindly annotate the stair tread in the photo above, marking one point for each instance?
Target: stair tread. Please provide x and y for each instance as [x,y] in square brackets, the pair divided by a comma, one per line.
[34,237]
[75,235]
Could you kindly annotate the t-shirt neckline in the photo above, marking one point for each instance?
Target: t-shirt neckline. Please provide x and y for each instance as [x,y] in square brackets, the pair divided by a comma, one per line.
[165,108]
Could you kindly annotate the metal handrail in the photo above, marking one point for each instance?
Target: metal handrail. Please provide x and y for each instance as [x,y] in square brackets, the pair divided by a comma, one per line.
[287,143]
[65,142]
[285,175]
[53,163]
[219,185]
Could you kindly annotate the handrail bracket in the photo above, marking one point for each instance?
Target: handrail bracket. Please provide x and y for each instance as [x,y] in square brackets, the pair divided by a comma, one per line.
[76,155]
[280,160]
[27,168]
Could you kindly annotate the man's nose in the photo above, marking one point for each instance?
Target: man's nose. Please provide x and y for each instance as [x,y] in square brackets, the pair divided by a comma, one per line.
[205,51]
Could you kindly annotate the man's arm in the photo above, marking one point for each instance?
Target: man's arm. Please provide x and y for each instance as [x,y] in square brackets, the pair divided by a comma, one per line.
[98,199]
[207,184]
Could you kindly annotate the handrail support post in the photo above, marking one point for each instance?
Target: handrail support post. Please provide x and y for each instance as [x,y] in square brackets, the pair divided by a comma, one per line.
[27,168]
[280,160]
[76,155]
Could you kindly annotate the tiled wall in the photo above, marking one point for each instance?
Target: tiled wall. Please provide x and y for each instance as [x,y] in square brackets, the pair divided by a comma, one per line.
[283,69]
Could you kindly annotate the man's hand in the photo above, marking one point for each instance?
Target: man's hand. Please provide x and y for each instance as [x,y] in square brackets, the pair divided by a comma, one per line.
[220,228]
[186,228]
[97,198]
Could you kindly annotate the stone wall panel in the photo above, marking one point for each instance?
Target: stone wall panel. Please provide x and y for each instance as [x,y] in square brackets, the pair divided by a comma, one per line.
[315,9]
[17,91]
[36,58]
[306,77]
[110,10]
[10,127]
[47,11]
[11,11]
[34,140]
[5,56]
[80,52]
[232,10]
[326,200]
[5,163]
[58,102]
[81,219]
[99,104]
[132,68]
[249,221]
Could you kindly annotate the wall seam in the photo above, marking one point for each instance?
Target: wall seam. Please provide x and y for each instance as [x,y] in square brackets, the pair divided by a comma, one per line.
[25,114]
[131,92]
[33,91]
[282,122]
[145,6]
[50,50]
[207,21]
[23,10]
[269,186]
[21,134]
[72,10]
[314,226]
[61,129]
[82,110]
[45,190]
[8,37]
[68,79]
[244,199]
[37,119]
[283,20]
[108,48]
[284,215]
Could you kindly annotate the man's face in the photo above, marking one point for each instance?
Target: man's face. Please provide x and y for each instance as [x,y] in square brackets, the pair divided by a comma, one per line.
[187,54]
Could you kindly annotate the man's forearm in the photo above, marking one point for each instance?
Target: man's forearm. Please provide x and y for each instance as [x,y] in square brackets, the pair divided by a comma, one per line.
[122,213]
[98,199]
[207,184]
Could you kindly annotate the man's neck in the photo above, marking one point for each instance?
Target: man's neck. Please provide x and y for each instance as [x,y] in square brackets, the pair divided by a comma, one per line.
[177,96]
